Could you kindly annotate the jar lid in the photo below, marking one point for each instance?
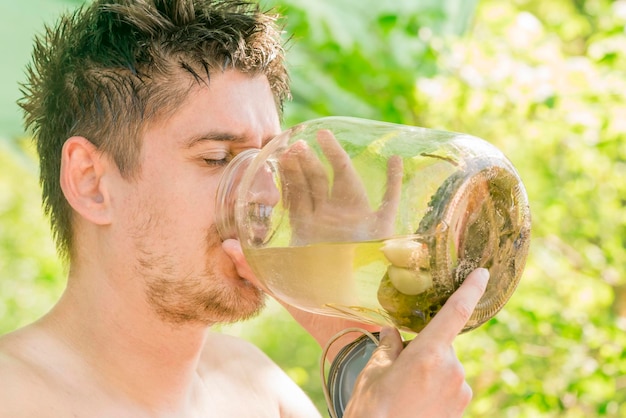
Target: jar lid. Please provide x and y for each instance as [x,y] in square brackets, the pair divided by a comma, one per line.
[479,217]
[345,369]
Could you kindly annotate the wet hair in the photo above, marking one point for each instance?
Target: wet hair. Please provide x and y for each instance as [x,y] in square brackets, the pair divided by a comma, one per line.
[106,70]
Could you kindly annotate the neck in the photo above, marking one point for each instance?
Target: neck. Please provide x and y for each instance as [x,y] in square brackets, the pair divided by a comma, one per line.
[132,352]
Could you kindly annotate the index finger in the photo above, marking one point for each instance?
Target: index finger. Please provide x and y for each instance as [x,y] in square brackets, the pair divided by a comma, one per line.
[451,319]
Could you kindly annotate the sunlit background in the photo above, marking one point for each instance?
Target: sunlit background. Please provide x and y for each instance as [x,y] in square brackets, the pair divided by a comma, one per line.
[545,81]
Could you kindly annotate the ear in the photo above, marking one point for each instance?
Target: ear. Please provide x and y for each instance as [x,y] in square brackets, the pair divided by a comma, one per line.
[82,169]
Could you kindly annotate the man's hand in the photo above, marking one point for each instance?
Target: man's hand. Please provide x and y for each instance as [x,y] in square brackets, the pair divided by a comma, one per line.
[425,379]
[334,206]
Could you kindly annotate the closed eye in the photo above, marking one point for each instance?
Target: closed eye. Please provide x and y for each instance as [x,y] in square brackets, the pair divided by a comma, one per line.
[216,162]
[216,158]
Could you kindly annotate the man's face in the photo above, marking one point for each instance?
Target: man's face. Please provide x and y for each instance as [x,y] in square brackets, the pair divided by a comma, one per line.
[168,213]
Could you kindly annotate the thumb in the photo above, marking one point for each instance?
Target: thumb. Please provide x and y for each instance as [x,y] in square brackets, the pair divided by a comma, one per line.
[389,347]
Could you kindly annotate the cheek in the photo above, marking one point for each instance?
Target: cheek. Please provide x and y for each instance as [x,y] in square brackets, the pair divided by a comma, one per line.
[179,198]
[183,218]
[174,201]
[202,202]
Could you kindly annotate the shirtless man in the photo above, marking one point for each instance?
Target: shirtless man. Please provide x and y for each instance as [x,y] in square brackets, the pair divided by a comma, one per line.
[136,107]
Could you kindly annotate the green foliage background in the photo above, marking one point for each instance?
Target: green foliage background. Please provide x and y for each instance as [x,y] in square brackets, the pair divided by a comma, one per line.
[544,81]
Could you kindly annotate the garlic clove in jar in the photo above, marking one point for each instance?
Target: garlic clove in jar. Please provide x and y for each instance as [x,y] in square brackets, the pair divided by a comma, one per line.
[409,281]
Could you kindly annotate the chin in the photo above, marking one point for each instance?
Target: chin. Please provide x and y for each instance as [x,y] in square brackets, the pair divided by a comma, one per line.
[245,302]
[205,300]
[227,297]
[232,298]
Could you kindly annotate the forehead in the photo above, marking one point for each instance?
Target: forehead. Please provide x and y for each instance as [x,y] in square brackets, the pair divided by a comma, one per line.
[232,103]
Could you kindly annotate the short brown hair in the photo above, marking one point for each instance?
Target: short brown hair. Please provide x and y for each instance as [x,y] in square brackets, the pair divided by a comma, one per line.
[105,70]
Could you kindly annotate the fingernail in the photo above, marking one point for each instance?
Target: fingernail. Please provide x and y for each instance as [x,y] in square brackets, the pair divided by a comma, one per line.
[483,274]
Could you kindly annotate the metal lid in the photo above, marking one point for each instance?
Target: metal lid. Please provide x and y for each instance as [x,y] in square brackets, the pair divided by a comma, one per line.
[345,369]
[485,217]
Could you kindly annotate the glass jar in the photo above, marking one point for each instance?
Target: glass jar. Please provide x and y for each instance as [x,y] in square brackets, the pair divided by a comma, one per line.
[375,221]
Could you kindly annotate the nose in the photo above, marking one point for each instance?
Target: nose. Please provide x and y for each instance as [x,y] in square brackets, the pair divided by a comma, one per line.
[264,189]
[263,197]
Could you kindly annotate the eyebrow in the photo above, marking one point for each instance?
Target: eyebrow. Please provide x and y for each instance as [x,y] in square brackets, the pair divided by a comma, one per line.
[213,136]
[221,137]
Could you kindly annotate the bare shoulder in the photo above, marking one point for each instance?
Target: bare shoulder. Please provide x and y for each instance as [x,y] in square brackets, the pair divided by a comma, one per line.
[238,364]
[217,341]
[236,358]
[14,364]
[24,387]
[43,377]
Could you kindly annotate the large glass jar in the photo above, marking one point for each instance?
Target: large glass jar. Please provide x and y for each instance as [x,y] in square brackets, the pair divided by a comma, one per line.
[375,221]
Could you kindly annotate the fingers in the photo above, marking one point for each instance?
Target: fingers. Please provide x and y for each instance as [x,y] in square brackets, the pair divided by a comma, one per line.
[390,342]
[307,178]
[389,206]
[347,182]
[389,348]
[339,195]
[344,169]
[336,155]
[453,316]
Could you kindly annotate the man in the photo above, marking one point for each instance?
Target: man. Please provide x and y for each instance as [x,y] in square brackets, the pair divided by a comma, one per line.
[136,107]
